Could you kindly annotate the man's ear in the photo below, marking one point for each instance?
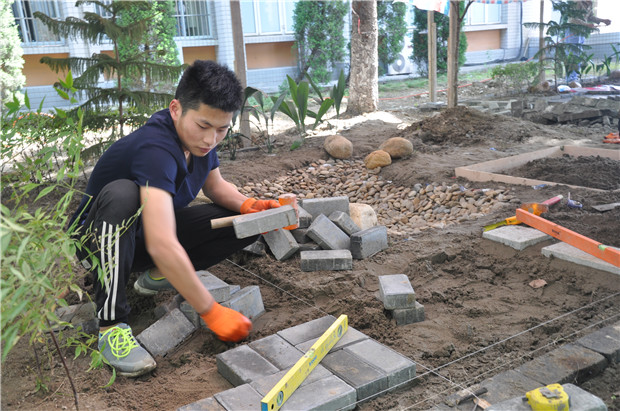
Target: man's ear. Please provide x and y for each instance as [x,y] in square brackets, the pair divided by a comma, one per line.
[175,109]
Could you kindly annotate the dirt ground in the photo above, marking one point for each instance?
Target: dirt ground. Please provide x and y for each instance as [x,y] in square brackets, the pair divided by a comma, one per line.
[482,317]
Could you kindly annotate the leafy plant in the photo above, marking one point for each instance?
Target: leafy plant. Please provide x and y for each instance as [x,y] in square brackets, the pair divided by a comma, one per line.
[420,41]
[515,76]
[337,92]
[392,31]
[261,111]
[12,78]
[93,28]
[319,37]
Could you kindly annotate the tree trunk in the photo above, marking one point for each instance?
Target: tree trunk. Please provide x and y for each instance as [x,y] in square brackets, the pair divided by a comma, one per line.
[239,48]
[364,75]
[453,54]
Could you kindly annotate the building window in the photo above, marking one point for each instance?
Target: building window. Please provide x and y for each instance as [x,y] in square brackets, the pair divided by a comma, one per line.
[480,13]
[192,18]
[32,30]
[267,17]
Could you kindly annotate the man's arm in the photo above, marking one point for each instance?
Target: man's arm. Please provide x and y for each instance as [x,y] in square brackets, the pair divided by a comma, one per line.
[167,253]
[222,192]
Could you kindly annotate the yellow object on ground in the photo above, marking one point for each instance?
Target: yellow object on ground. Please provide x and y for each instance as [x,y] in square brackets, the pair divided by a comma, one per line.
[549,398]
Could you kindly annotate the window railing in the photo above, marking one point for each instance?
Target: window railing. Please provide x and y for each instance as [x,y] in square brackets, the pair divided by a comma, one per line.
[31,30]
[192,18]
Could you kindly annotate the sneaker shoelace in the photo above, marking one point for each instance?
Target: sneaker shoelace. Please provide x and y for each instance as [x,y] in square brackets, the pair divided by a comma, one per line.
[121,342]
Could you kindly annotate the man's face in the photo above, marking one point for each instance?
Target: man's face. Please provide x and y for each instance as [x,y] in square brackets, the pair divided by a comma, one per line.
[200,131]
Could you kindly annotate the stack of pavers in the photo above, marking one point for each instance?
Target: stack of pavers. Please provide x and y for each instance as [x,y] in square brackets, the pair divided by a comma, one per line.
[356,369]
[327,237]
[398,298]
[178,320]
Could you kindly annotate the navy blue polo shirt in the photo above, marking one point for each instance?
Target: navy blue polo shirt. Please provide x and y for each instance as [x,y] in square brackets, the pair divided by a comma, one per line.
[151,156]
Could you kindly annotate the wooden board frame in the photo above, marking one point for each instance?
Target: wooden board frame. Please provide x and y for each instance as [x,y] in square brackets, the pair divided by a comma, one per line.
[487,171]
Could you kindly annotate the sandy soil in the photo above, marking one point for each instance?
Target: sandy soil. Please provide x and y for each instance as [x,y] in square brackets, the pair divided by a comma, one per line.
[475,292]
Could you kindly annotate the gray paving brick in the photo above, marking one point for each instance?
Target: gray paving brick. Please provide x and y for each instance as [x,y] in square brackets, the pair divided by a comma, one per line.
[265,384]
[326,260]
[248,301]
[580,400]
[168,306]
[328,235]
[570,362]
[350,337]
[398,368]
[605,341]
[301,235]
[516,236]
[243,397]
[247,225]
[281,243]
[567,252]
[242,364]
[166,333]
[206,404]
[367,380]
[79,315]
[256,248]
[329,393]
[218,288]
[304,332]
[277,351]
[310,246]
[369,242]
[192,315]
[305,218]
[344,222]
[325,206]
[395,291]
[506,385]
[404,316]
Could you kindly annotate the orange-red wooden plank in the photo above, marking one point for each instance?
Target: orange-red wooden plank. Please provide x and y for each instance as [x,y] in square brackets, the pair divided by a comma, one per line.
[582,242]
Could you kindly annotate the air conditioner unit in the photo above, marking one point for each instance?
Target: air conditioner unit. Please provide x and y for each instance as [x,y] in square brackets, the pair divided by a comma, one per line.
[403,64]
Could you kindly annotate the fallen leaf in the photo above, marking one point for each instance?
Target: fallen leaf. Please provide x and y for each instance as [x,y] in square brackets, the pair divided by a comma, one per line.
[538,283]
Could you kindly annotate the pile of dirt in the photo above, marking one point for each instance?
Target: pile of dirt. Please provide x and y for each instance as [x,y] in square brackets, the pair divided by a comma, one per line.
[586,171]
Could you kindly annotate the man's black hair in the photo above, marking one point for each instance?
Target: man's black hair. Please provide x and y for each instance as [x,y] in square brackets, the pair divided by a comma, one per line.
[209,83]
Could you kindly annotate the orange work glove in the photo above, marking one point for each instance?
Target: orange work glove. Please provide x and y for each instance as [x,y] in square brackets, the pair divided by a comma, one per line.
[227,324]
[252,205]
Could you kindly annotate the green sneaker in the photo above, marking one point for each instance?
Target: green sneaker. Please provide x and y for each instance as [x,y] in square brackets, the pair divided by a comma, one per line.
[120,348]
[147,285]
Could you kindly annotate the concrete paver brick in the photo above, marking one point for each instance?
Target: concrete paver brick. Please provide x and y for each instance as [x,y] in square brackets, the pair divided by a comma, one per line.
[366,379]
[350,337]
[277,351]
[325,206]
[265,384]
[248,301]
[310,246]
[79,315]
[404,316]
[206,404]
[399,369]
[219,289]
[605,341]
[167,307]
[567,252]
[395,291]
[570,362]
[506,385]
[329,393]
[243,397]
[192,315]
[242,364]
[516,236]
[247,225]
[256,248]
[301,235]
[327,234]
[580,400]
[326,260]
[166,333]
[369,242]
[344,222]
[281,243]
[305,218]
[307,331]
[234,289]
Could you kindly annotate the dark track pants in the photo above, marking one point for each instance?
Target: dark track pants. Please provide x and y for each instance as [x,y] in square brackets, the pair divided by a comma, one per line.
[117,240]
